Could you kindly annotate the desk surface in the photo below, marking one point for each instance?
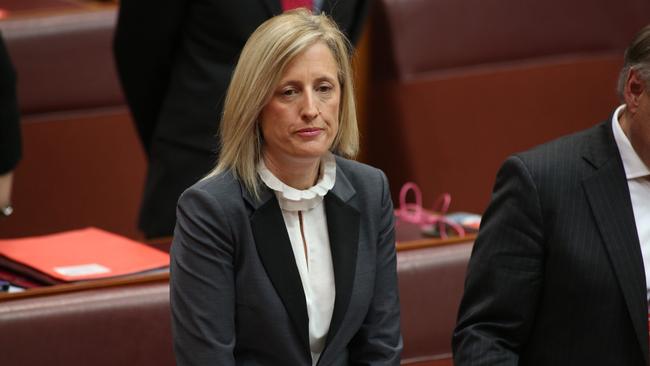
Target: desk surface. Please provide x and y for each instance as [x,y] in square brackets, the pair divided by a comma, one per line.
[409,236]
[415,241]
[86,285]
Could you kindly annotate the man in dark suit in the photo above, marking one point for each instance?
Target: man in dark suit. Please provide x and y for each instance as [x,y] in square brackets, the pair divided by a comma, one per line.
[10,142]
[558,275]
[175,59]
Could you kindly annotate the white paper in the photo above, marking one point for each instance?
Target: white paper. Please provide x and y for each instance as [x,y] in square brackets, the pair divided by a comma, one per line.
[81,270]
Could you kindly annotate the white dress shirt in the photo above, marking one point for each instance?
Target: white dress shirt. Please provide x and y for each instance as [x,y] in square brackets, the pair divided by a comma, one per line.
[313,256]
[638,181]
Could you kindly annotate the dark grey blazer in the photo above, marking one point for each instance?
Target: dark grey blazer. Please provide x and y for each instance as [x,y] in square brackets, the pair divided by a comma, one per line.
[236,295]
[556,276]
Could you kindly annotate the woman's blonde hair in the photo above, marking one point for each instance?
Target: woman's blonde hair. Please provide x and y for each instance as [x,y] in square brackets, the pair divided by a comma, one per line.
[261,64]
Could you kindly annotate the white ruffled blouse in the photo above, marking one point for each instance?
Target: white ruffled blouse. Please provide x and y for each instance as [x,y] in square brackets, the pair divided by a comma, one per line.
[313,256]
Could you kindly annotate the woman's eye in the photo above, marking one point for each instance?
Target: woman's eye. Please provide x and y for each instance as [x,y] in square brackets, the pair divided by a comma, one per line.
[326,88]
[289,92]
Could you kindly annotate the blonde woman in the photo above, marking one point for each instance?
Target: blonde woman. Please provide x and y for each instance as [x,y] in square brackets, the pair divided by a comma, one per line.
[284,254]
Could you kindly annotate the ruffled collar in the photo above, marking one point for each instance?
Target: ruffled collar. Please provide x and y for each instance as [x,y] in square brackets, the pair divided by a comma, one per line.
[292,199]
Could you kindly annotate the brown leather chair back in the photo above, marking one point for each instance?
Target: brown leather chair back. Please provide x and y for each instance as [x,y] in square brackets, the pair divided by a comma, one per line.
[82,162]
[459,85]
[431,282]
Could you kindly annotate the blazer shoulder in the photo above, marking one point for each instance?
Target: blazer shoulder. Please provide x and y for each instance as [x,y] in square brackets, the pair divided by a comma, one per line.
[223,188]
[368,184]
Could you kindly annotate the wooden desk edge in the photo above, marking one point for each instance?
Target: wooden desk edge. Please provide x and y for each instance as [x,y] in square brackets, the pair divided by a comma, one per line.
[433,242]
[86,285]
[160,277]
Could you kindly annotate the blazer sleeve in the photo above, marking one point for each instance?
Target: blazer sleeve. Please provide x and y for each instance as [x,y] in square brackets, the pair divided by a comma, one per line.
[146,37]
[202,288]
[379,340]
[505,274]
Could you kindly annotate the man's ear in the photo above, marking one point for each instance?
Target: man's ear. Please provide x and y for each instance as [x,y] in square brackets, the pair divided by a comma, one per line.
[634,88]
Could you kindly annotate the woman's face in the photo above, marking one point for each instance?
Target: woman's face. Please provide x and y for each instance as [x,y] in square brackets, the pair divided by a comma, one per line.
[302,117]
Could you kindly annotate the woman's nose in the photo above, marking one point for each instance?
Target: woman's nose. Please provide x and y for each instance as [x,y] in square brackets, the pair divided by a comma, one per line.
[309,106]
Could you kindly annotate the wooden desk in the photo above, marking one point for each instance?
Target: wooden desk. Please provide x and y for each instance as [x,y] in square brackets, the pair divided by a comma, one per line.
[86,285]
[408,238]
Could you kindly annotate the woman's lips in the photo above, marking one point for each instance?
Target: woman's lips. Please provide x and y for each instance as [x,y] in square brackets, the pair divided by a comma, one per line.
[309,132]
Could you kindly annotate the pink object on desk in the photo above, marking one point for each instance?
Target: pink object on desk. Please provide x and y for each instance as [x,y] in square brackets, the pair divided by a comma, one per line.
[413,212]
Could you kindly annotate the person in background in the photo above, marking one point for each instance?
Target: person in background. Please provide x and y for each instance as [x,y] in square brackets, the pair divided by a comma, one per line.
[285,253]
[560,271]
[10,141]
[175,59]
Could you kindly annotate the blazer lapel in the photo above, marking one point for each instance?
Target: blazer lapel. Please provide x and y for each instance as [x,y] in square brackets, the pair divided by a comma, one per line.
[609,198]
[343,226]
[274,249]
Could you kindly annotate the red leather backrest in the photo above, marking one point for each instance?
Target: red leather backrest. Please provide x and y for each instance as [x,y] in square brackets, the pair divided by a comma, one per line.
[431,282]
[430,35]
[63,59]
[457,86]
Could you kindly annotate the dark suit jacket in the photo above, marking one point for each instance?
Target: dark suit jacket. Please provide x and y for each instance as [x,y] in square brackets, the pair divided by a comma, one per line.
[236,294]
[556,276]
[10,142]
[175,59]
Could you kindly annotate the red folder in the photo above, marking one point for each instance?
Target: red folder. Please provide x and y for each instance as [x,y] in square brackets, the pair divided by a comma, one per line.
[79,255]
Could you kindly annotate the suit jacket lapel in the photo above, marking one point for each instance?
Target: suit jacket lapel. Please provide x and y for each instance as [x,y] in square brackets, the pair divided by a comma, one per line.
[609,197]
[276,254]
[343,227]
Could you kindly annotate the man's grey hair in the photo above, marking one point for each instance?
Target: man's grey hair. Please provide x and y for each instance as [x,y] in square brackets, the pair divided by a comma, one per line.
[637,58]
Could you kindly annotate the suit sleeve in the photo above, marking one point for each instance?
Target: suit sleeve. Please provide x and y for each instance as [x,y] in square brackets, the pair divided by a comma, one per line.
[146,38]
[10,140]
[350,15]
[202,288]
[379,340]
[505,274]
[358,21]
